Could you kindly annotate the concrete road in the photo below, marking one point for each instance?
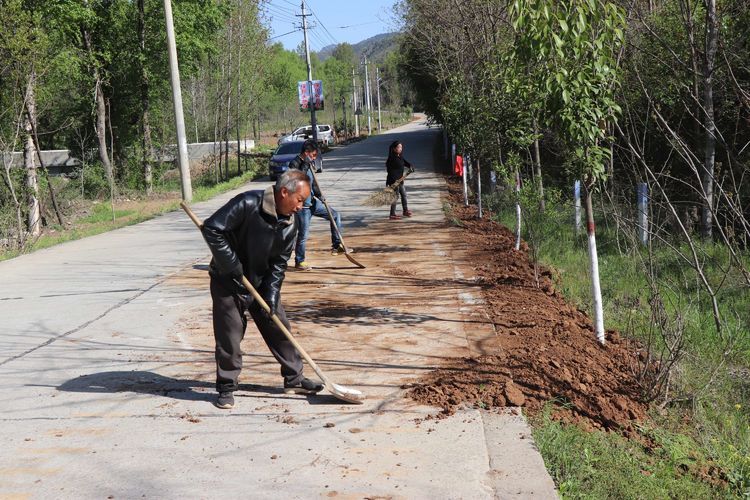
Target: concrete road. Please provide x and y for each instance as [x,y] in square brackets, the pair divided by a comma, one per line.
[106,364]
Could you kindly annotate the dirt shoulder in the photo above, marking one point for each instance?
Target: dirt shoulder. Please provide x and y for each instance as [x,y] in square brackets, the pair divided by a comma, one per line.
[544,349]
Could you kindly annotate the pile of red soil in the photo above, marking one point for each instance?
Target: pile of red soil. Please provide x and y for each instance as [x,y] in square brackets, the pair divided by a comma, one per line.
[545,349]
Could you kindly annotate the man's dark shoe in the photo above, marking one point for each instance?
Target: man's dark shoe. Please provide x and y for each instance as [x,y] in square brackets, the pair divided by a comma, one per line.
[304,386]
[225,401]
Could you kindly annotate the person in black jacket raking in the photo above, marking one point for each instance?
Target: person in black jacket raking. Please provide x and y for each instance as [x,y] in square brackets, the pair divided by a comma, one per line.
[395,165]
[314,207]
[253,235]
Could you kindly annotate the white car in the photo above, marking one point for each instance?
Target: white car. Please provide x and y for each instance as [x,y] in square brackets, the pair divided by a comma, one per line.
[325,135]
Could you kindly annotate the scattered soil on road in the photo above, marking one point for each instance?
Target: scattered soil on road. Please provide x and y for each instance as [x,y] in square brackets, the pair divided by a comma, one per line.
[545,349]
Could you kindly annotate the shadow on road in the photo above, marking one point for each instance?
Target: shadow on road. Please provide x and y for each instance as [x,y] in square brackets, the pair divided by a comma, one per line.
[139,382]
[145,382]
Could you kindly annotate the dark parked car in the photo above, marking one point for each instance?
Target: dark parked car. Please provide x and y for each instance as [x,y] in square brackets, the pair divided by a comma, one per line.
[279,162]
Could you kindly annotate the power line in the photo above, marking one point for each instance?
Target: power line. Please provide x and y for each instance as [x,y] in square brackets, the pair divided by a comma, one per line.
[280,13]
[355,25]
[333,39]
[278,9]
[282,7]
[284,13]
[284,34]
[317,38]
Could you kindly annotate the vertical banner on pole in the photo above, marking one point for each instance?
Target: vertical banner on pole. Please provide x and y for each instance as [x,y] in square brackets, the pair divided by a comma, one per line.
[310,93]
[303,95]
[643,212]
[577,198]
[317,95]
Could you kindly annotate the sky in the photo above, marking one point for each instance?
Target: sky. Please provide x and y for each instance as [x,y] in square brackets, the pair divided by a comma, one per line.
[337,21]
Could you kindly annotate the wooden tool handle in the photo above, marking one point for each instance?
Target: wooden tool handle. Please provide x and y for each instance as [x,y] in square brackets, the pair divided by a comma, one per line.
[190,214]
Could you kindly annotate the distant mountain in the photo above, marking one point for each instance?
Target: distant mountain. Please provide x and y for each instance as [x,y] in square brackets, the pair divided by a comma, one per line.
[376,47]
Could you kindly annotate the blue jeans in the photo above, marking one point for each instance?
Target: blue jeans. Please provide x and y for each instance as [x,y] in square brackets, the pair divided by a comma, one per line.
[402,191]
[303,227]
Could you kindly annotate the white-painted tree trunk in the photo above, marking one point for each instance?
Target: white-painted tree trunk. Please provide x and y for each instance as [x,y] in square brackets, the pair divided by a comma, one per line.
[518,210]
[577,205]
[538,168]
[479,190]
[596,290]
[642,204]
[467,159]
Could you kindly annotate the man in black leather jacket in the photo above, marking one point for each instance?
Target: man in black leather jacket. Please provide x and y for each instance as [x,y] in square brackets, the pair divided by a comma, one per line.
[253,235]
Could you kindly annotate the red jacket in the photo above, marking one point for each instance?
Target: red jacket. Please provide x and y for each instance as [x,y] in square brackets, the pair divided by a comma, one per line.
[458,167]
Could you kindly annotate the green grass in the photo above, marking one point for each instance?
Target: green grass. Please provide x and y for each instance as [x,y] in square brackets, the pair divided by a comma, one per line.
[102,212]
[606,465]
[95,224]
[719,417]
[203,192]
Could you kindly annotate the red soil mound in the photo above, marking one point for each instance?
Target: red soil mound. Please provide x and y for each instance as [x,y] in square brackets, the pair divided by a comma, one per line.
[545,349]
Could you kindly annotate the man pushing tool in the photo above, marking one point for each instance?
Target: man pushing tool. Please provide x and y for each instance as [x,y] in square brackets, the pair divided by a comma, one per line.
[253,235]
[314,206]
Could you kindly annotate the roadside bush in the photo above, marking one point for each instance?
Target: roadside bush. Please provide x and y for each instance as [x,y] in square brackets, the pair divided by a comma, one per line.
[92,181]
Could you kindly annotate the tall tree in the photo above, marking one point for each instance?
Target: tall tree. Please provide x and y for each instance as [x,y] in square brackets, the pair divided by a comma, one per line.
[711,40]
[576,43]
[146,143]
[100,106]
[34,215]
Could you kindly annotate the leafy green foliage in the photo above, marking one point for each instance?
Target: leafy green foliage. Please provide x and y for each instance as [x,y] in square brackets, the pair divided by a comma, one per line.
[572,47]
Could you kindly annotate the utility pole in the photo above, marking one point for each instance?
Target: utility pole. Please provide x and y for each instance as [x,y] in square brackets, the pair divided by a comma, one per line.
[174,73]
[377,83]
[333,105]
[343,108]
[355,108]
[368,103]
[313,120]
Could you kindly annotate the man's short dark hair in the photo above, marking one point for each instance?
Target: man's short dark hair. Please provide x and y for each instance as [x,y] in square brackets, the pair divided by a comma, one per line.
[309,146]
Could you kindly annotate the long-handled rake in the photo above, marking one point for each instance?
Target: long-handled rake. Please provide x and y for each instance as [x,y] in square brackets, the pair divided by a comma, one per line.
[386,196]
[347,253]
[339,391]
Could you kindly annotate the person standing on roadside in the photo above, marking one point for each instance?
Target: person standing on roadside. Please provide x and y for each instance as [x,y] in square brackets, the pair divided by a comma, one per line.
[253,236]
[313,206]
[395,166]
